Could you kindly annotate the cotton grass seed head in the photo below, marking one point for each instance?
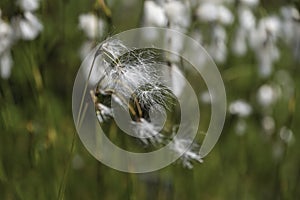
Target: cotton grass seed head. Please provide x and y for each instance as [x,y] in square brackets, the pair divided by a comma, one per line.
[133,79]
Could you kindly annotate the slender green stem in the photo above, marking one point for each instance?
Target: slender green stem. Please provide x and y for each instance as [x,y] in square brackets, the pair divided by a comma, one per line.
[66,171]
[78,124]
[84,92]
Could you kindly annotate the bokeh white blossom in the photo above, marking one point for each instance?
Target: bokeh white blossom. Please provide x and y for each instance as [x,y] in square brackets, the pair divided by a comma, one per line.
[25,26]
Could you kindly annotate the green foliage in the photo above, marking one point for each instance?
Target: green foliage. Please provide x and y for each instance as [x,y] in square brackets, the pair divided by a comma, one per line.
[38,160]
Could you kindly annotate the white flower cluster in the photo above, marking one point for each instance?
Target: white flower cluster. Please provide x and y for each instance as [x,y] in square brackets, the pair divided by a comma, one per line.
[171,14]
[264,34]
[25,27]
[174,14]
[261,37]
[263,42]
[218,15]
[178,15]
[247,23]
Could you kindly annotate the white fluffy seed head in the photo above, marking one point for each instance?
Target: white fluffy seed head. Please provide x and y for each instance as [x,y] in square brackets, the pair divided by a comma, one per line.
[268,124]
[6,63]
[210,12]
[28,5]
[286,134]
[246,18]
[92,26]
[250,2]
[207,12]
[147,132]
[177,13]
[266,95]
[240,108]
[225,15]
[127,70]
[6,33]
[134,74]
[154,15]
[239,45]
[188,153]
[27,28]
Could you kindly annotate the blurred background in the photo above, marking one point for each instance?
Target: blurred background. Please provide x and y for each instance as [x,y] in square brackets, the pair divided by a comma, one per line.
[256,45]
